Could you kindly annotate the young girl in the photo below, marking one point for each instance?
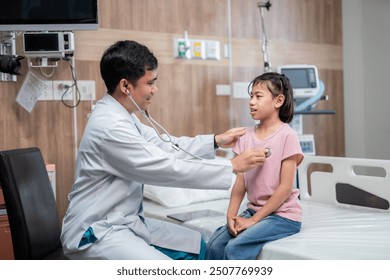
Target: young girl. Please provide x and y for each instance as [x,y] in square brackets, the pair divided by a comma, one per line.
[273,209]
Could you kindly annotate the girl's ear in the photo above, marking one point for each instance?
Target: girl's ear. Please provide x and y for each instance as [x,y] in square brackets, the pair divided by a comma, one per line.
[279,101]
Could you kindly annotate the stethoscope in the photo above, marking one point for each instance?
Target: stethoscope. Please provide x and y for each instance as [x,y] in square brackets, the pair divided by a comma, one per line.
[166,137]
[267,152]
[174,145]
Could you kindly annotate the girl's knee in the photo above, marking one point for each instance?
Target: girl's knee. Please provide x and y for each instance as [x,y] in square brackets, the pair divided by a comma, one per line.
[212,252]
[214,249]
[230,252]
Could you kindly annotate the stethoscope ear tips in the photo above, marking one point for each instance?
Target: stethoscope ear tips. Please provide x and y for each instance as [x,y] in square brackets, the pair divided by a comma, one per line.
[267,152]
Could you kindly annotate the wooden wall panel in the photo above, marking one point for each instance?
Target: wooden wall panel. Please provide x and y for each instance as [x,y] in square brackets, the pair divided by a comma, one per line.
[194,103]
[166,16]
[299,31]
[48,126]
[307,21]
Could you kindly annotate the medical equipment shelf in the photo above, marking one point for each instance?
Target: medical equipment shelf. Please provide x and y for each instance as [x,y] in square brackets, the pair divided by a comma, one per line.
[316,112]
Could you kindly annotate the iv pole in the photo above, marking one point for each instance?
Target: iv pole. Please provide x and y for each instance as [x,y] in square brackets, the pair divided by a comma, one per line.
[267,61]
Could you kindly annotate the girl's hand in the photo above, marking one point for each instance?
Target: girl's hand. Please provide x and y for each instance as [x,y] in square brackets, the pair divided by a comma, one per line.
[231,226]
[242,223]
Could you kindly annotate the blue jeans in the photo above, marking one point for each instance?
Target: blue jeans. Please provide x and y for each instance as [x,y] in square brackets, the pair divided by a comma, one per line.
[248,244]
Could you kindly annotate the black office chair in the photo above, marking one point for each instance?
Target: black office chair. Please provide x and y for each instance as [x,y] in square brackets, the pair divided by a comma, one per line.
[31,207]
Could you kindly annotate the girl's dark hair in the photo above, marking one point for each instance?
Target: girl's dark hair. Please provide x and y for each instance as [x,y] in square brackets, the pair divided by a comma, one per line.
[278,84]
[125,60]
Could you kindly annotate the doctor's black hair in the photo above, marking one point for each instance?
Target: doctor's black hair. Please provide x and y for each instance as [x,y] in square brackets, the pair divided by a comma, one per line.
[277,84]
[125,60]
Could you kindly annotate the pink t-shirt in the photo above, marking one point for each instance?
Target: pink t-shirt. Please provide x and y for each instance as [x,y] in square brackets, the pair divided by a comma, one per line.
[261,182]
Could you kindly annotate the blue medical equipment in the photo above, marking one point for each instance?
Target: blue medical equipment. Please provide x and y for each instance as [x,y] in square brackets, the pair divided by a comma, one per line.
[308,89]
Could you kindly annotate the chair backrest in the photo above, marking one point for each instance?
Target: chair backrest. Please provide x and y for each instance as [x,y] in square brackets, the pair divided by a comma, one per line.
[30,203]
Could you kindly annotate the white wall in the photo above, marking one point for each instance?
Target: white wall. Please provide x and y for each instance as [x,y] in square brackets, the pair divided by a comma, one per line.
[366,43]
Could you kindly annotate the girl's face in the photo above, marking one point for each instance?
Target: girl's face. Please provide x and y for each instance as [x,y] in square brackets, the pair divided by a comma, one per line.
[262,105]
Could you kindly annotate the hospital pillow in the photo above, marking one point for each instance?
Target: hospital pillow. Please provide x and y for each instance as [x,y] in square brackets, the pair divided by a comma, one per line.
[175,197]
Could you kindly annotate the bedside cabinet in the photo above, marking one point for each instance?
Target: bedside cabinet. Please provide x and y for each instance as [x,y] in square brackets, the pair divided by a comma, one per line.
[6,251]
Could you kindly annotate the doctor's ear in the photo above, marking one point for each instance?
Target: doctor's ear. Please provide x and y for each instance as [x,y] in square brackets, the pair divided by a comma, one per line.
[124,85]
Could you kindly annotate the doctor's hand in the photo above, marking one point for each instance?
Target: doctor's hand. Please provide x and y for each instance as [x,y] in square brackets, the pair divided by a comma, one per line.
[229,138]
[247,160]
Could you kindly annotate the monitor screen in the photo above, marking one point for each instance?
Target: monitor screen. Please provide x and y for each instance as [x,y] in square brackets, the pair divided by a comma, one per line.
[49,15]
[301,78]
[304,79]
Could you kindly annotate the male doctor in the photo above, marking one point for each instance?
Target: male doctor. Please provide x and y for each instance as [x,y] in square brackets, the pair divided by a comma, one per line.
[118,154]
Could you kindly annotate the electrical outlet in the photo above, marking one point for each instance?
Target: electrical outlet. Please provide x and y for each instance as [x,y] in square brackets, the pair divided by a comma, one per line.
[213,50]
[198,49]
[87,90]
[182,48]
[62,90]
[46,93]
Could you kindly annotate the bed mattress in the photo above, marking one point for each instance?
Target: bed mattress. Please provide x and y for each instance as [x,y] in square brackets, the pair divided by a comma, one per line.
[345,205]
[328,232]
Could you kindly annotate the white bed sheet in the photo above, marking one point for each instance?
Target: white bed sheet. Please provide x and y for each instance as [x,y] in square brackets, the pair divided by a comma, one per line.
[328,232]
[331,229]
[332,233]
[206,226]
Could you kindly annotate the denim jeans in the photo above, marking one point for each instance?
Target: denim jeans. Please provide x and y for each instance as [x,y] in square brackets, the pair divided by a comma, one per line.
[248,244]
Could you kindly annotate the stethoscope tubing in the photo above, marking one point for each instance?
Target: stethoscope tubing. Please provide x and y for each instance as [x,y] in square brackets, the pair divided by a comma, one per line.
[152,122]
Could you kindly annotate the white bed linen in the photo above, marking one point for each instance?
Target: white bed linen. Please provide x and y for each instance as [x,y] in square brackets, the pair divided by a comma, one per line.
[330,230]
[206,226]
[333,233]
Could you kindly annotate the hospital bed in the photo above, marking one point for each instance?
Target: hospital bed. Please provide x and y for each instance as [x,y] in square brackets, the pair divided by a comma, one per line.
[345,201]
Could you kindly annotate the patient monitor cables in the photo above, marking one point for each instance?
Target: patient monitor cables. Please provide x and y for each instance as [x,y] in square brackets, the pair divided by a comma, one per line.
[152,122]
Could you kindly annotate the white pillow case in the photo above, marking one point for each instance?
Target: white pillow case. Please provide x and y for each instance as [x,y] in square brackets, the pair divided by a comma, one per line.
[175,197]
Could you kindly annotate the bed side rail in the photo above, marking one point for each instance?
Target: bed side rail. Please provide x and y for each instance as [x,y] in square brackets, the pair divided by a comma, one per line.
[346,182]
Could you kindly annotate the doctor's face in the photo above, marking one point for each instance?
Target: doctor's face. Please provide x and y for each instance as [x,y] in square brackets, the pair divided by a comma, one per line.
[145,89]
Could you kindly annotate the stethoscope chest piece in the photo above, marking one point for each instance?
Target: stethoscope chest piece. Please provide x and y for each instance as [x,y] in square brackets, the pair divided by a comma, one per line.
[267,152]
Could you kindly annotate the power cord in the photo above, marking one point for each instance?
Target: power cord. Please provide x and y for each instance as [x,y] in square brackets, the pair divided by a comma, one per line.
[67,87]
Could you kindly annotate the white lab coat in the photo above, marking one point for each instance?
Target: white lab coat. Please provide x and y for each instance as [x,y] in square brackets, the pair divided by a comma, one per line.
[117,155]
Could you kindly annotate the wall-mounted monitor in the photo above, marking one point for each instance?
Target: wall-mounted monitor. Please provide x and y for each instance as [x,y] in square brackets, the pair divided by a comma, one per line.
[49,15]
[304,79]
